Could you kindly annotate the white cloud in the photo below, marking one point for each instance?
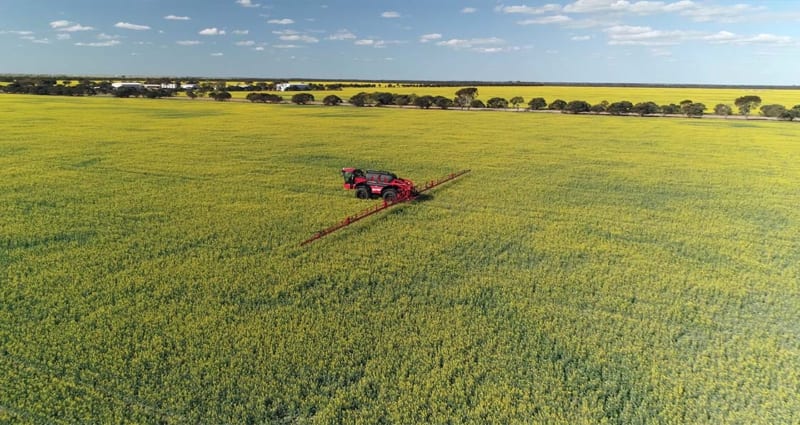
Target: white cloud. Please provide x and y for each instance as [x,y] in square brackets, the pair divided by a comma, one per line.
[473,43]
[217,54]
[33,39]
[59,24]
[390,14]
[378,44]
[284,21]
[429,37]
[643,7]
[68,26]
[697,11]
[104,36]
[728,14]
[177,18]
[17,32]
[285,32]
[241,32]
[129,26]
[212,31]
[768,39]
[581,38]
[469,10]
[545,20]
[627,35]
[721,37]
[76,28]
[342,35]
[63,36]
[496,49]
[107,43]
[246,43]
[259,49]
[286,46]
[299,37]
[188,42]
[726,37]
[529,10]
[247,3]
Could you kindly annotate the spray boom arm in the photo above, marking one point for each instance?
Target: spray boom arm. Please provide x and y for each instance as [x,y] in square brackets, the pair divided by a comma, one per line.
[380,207]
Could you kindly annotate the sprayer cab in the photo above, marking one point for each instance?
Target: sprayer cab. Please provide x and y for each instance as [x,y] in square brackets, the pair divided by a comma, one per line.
[384,184]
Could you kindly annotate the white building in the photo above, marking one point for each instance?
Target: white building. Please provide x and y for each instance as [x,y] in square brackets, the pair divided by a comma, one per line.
[127,84]
[291,86]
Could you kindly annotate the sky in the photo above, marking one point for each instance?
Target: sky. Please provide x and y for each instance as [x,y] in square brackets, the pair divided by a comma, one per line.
[578,41]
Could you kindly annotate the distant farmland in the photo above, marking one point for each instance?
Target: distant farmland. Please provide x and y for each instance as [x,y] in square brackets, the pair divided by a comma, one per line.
[593,95]
[590,269]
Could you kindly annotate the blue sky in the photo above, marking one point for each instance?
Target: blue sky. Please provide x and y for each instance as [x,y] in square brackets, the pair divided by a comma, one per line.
[618,41]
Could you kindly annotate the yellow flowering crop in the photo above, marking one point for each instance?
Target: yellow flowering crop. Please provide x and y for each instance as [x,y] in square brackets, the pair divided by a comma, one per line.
[590,269]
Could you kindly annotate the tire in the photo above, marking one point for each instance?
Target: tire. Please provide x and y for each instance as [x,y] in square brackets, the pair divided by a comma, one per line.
[362,192]
[390,195]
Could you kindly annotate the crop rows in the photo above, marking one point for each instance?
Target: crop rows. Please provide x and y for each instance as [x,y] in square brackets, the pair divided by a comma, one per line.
[588,270]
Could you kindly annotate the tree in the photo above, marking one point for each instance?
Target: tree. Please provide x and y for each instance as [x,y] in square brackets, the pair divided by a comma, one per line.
[685,105]
[723,109]
[477,103]
[537,103]
[620,108]
[128,92]
[401,99]
[557,105]
[497,103]
[746,104]
[772,111]
[577,106]
[695,110]
[157,94]
[382,98]
[424,102]
[516,100]
[302,98]
[791,114]
[645,108]
[442,102]
[220,96]
[671,109]
[270,98]
[331,100]
[465,96]
[598,108]
[360,99]
[191,94]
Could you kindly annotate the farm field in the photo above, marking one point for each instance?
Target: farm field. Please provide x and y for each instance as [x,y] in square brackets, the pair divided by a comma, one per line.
[590,269]
[661,96]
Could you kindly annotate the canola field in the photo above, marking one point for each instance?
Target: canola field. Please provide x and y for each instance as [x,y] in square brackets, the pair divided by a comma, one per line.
[593,95]
[590,269]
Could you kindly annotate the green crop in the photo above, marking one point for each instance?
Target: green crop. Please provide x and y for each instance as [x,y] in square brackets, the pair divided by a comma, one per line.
[590,269]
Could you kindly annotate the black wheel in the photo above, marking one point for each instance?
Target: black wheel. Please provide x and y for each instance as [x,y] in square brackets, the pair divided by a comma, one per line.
[362,192]
[390,195]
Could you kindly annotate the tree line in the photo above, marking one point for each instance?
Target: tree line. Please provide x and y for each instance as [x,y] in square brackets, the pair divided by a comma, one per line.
[467,98]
